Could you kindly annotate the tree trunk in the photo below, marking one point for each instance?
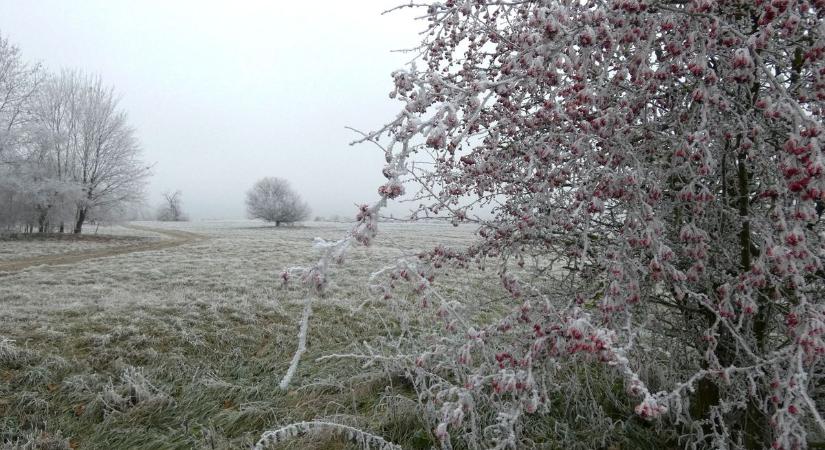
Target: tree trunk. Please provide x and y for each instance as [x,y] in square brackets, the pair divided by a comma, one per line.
[705,397]
[81,217]
[753,425]
[756,424]
[43,220]
[277,224]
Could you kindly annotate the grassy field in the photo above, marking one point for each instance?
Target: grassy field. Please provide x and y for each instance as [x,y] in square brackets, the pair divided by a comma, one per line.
[184,347]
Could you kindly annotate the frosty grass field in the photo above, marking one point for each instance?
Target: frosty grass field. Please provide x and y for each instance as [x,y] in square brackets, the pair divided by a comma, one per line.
[25,246]
[184,347]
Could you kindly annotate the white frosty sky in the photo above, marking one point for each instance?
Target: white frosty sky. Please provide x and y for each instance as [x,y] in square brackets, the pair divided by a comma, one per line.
[225,92]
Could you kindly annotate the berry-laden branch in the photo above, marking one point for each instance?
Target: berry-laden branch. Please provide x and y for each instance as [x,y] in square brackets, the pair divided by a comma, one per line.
[655,176]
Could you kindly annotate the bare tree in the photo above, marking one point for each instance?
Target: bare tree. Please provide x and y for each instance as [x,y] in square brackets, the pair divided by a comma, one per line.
[273,200]
[67,153]
[88,141]
[18,83]
[29,195]
[172,208]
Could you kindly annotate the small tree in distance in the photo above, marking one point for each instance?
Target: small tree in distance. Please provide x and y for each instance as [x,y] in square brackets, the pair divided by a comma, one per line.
[273,200]
[172,208]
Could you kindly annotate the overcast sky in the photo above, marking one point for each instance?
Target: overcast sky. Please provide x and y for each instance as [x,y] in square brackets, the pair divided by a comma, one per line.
[225,92]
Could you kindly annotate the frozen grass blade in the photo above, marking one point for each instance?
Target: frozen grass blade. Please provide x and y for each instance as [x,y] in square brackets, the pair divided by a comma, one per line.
[362,439]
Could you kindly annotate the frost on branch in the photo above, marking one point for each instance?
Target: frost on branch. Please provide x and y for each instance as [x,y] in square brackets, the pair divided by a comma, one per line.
[315,278]
[302,346]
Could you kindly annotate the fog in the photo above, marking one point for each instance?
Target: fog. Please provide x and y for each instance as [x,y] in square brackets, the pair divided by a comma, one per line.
[223,93]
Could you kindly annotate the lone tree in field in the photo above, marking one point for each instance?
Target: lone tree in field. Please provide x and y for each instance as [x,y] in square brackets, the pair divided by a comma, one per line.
[172,208]
[656,172]
[273,200]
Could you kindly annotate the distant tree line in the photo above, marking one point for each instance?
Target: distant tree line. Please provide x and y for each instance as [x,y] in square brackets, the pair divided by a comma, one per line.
[67,152]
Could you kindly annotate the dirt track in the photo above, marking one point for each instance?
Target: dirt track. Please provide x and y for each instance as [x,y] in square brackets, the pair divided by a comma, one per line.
[176,238]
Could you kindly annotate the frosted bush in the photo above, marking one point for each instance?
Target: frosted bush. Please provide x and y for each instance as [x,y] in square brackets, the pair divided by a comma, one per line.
[654,175]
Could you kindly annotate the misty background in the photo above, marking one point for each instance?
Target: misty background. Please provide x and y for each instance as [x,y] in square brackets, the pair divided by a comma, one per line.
[224,93]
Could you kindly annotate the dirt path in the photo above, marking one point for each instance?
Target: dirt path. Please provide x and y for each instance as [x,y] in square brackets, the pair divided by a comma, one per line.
[176,238]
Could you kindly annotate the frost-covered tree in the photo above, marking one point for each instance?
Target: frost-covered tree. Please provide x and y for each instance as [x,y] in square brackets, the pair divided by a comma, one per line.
[172,208]
[26,190]
[273,200]
[656,176]
[91,143]
[18,85]
[31,197]
[66,149]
